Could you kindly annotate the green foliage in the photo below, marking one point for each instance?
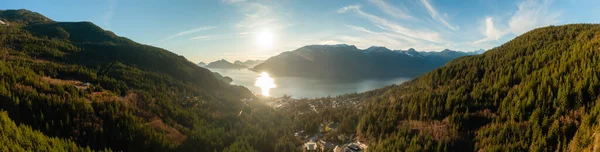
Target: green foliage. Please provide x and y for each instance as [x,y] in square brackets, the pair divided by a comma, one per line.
[139,97]
[23,138]
[537,92]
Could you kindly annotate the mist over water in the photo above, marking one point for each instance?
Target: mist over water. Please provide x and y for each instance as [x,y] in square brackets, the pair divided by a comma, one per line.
[299,87]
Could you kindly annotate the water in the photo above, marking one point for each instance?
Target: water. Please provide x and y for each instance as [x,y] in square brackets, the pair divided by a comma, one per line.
[299,87]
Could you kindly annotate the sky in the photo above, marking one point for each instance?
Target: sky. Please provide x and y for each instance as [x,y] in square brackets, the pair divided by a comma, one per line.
[209,30]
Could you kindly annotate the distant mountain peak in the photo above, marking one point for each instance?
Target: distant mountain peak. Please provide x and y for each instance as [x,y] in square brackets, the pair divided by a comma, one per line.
[224,64]
[377,49]
[202,64]
[343,45]
[480,51]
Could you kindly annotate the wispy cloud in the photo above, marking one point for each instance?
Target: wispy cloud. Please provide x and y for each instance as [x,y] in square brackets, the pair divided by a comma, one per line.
[392,10]
[109,13]
[257,15]
[182,33]
[384,34]
[218,37]
[371,38]
[490,31]
[394,27]
[233,1]
[436,16]
[532,14]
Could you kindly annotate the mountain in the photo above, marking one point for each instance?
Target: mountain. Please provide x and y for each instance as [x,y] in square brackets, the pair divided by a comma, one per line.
[480,51]
[73,86]
[22,17]
[201,64]
[224,64]
[348,62]
[248,63]
[537,92]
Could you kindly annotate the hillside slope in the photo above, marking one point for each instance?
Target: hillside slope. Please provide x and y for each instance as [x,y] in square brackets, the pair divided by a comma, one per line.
[75,81]
[537,92]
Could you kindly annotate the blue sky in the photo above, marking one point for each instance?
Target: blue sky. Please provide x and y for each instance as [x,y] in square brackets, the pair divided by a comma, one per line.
[208,30]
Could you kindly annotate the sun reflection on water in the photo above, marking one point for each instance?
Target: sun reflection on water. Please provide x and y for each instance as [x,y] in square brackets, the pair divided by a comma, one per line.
[265,83]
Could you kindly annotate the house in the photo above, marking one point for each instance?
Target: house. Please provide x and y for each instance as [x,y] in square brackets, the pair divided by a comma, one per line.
[361,145]
[325,145]
[353,147]
[3,23]
[310,146]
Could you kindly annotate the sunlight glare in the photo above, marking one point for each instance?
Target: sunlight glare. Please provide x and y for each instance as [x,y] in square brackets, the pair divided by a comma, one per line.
[264,39]
[265,83]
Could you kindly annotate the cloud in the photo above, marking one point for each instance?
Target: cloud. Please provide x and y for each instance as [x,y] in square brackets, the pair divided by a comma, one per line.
[391,10]
[219,37]
[109,13]
[257,15]
[348,8]
[490,31]
[532,14]
[383,34]
[371,39]
[182,33]
[233,1]
[393,27]
[434,14]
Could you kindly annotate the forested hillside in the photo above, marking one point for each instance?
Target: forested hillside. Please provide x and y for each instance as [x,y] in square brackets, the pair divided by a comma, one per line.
[75,86]
[538,92]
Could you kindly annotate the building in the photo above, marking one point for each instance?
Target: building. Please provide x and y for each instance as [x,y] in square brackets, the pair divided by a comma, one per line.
[3,23]
[324,145]
[353,147]
[310,146]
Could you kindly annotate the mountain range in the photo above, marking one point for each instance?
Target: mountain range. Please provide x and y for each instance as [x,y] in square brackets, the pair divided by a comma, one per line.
[224,64]
[348,62]
[248,63]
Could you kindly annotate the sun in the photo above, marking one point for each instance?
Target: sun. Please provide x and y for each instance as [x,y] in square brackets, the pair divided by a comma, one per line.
[264,39]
